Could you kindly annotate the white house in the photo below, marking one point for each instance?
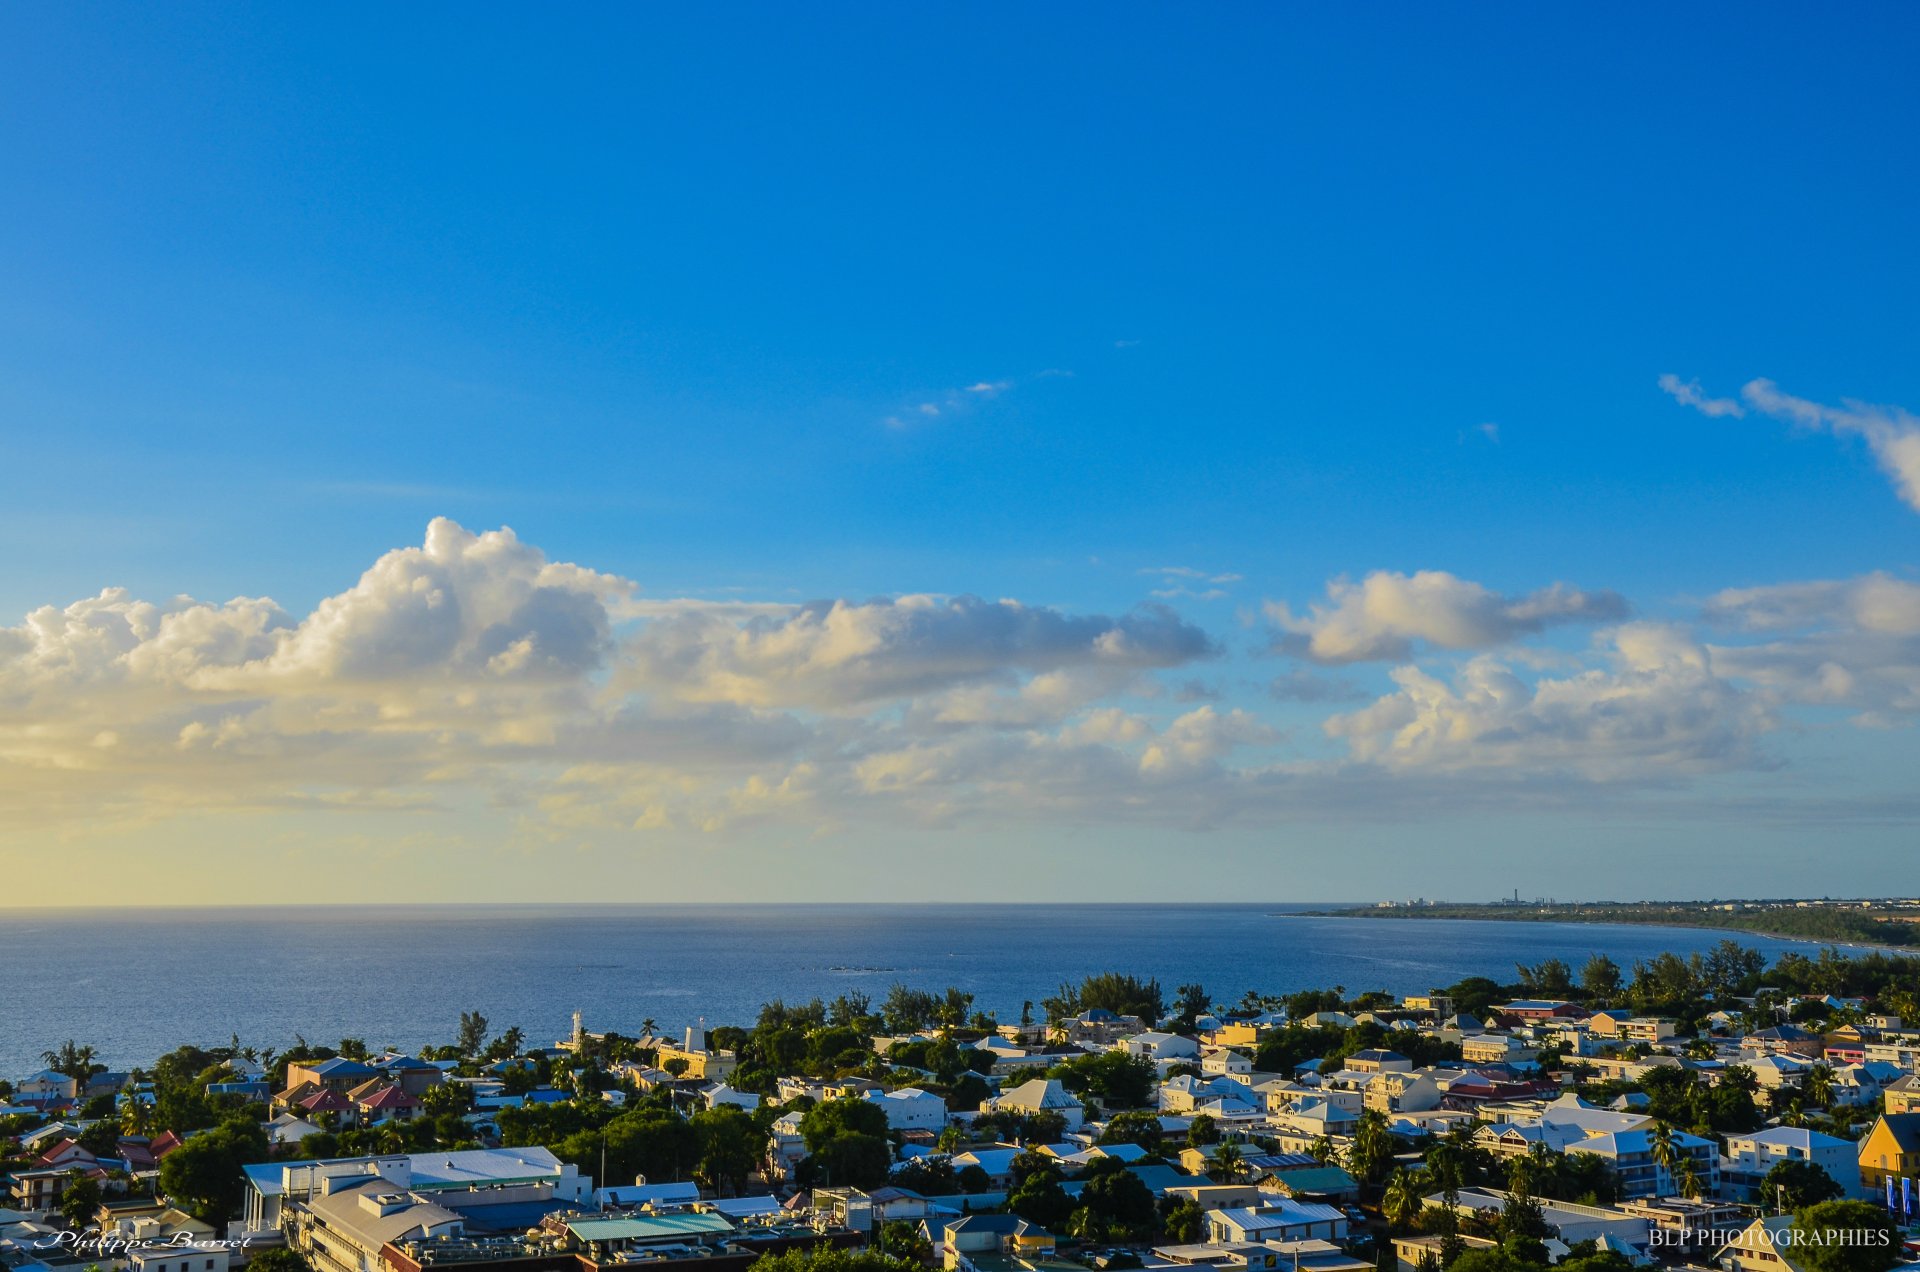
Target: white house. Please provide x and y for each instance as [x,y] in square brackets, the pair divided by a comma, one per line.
[1279,1220]
[720,1093]
[1317,1117]
[1749,1157]
[1038,1094]
[1223,1062]
[1630,1153]
[911,1109]
[1160,1047]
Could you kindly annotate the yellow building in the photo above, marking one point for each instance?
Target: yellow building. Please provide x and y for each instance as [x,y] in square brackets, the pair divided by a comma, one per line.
[1891,1150]
[1904,1096]
[713,1066]
[1235,1033]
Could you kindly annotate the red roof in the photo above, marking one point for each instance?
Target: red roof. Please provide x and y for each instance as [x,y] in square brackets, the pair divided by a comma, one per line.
[325,1101]
[63,1152]
[389,1098]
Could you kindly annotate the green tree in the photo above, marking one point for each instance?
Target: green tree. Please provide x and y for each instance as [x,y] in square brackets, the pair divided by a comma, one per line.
[1794,1184]
[1135,1127]
[1114,1078]
[1119,993]
[1600,979]
[830,1259]
[1403,1200]
[1819,1085]
[1121,1202]
[1521,1218]
[203,1177]
[73,1060]
[903,1239]
[279,1259]
[1184,1221]
[1040,1199]
[846,1144]
[473,1033]
[1845,1236]
[1551,978]
[1227,1162]
[1664,1150]
[1372,1154]
[729,1147]
[79,1199]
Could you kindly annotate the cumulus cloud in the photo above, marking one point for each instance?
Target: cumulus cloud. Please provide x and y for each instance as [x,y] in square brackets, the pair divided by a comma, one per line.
[471,669]
[1657,709]
[473,663]
[1388,615]
[1851,643]
[1875,602]
[842,654]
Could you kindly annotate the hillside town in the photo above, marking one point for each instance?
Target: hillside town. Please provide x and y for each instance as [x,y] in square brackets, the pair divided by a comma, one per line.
[1703,1112]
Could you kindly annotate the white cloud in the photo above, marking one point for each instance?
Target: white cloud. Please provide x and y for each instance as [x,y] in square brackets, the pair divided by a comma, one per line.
[1875,602]
[472,669]
[1689,393]
[1851,643]
[1188,572]
[839,655]
[1890,432]
[1655,711]
[1387,615]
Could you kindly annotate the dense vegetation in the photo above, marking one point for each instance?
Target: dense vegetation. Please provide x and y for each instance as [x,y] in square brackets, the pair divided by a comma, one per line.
[1846,926]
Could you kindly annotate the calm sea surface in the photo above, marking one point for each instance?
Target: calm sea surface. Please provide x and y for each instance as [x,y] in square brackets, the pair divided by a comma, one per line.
[135,984]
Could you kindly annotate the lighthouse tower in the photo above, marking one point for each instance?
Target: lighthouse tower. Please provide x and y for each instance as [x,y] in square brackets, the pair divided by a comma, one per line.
[579,1032]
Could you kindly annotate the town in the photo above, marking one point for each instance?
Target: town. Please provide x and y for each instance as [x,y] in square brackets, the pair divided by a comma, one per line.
[1713,1111]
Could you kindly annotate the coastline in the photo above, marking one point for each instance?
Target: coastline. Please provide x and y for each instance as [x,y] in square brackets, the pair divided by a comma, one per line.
[1683,920]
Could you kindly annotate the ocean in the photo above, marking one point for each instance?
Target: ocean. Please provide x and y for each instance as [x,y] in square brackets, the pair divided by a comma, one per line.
[133,984]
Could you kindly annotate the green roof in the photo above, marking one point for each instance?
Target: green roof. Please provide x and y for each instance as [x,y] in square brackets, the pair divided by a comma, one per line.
[1323,1179]
[649,1227]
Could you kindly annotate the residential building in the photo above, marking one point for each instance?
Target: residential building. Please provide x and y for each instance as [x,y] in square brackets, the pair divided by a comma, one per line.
[1891,1150]
[1631,1155]
[1903,1096]
[911,1109]
[1749,1157]
[1403,1092]
[1160,1047]
[1543,1009]
[1042,1094]
[1377,1060]
[1277,1220]
[978,1243]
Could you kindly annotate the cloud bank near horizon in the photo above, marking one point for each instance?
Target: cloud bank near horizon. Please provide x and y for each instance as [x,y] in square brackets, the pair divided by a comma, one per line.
[474,669]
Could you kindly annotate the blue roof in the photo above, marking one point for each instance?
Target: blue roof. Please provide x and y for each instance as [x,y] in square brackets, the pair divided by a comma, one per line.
[340,1066]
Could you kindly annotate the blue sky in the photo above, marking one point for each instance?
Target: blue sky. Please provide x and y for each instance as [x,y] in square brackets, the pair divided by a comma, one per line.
[775,307]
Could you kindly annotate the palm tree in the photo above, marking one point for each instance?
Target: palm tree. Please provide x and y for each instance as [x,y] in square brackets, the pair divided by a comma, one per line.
[135,1116]
[1402,1201]
[1666,1154]
[1228,1161]
[73,1060]
[1321,1150]
[1688,1180]
[1820,1085]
